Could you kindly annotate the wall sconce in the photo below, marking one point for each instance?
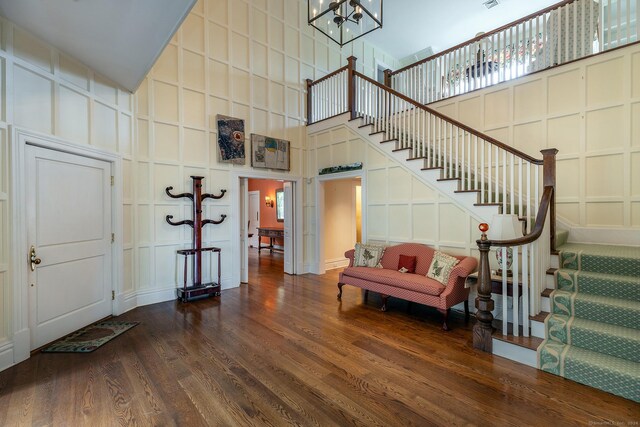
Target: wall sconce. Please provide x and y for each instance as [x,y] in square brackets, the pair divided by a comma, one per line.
[268,201]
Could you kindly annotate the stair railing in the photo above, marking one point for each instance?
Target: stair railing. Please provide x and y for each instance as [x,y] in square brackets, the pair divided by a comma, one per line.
[499,174]
[564,32]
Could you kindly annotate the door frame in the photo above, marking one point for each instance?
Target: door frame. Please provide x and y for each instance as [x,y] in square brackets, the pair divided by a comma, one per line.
[319,265]
[20,138]
[237,220]
[249,193]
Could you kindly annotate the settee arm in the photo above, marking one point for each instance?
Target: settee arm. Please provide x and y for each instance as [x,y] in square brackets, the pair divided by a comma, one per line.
[350,254]
[457,277]
[464,268]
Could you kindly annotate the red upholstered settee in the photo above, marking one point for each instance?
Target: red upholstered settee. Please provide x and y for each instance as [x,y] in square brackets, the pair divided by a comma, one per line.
[417,287]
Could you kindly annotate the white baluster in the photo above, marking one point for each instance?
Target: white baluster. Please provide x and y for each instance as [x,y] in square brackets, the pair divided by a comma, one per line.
[525,290]
[515,292]
[512,165]
[489,172]
[504,181]
[505,314]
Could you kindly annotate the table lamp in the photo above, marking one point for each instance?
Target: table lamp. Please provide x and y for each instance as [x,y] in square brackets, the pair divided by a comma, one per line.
[505,227]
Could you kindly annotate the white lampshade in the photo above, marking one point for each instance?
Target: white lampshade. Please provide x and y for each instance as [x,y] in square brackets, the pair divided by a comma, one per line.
[505,227]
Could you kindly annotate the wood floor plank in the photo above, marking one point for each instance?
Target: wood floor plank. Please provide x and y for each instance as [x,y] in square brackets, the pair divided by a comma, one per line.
[283,351]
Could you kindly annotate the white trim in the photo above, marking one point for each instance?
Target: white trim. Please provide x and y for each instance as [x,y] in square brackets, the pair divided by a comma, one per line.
[515,352]
[332,264]
[236,229]
[19,325]
[319,265]
[604,236]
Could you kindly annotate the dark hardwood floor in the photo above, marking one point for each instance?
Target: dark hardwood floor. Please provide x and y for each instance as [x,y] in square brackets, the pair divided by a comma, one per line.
[282,350]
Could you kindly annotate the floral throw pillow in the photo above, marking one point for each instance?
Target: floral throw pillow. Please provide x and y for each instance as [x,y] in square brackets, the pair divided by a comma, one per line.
[367,255]
[441,267]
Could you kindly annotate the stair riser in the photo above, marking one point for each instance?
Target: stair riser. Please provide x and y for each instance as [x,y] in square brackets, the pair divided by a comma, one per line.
[614,287]
[600,264]
[614,375]
[628,317]
[617,342]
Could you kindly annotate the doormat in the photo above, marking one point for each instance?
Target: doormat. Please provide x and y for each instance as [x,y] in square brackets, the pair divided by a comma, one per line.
[89,338]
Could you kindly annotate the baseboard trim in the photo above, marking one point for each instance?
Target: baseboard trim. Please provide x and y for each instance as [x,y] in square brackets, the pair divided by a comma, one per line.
[332,264]
[154,296]
[515,352]
[6,355]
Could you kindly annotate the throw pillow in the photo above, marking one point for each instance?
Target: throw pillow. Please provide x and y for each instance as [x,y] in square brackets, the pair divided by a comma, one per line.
[367,255]
[408,263]
[441,267]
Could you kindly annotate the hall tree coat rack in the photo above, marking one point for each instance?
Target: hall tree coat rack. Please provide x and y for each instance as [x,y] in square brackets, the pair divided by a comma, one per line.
[197,289]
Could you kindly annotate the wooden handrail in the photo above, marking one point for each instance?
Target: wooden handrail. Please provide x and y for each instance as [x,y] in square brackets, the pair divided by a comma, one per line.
[460,125]
[484,35]
[545,201]
[328,76]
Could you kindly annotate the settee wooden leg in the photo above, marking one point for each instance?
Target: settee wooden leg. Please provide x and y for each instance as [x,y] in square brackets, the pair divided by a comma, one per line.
[366,295]
[384,302]
[466,310]
[445,314]
[340,285]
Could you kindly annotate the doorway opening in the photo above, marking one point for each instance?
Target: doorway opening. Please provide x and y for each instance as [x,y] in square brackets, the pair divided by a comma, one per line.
[270,243]
[340,219]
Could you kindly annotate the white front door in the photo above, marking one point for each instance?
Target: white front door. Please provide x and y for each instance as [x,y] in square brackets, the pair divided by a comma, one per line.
[69,227]
[288,227]
[254,217]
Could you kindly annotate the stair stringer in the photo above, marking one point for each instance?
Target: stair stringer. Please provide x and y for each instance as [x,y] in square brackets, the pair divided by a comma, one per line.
[465,201]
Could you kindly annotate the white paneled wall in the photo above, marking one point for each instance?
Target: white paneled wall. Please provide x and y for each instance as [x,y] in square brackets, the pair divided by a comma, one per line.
[45,91]
[590,111]
[399,207]
[246,59]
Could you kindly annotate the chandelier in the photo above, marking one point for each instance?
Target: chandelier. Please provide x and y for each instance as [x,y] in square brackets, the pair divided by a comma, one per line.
[343,21]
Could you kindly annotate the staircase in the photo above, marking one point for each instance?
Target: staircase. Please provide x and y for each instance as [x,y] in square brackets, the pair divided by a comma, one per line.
[585,326]
[593,330]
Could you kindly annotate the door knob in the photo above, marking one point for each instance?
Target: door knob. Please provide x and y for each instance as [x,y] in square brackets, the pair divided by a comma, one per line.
[33,259]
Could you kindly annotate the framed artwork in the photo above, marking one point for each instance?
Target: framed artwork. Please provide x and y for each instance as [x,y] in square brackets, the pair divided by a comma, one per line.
[230,140]
[270,153]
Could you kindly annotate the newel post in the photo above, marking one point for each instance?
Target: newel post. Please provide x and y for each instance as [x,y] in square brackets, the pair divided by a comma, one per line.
[549,180]
[387,77]
[483,328]
[309,112]
[351,67]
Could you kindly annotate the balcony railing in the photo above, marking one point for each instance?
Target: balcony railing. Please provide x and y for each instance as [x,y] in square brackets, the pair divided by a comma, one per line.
[559,34]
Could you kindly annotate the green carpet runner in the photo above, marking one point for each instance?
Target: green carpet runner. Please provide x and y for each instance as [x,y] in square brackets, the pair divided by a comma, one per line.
[593,331]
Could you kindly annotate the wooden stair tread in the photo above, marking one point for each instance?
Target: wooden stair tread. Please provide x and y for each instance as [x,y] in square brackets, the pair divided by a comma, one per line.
[551,270]
[356,118]
[365,125]
[448,179]
[402,149]
[487,204]
[388,140]
[547,292]
[376,132]
[432,168]
[416,158]
[540,316]
[467,191]
[530,342]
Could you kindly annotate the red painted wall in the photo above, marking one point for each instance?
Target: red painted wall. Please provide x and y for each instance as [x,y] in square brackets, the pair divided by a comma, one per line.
[267,187]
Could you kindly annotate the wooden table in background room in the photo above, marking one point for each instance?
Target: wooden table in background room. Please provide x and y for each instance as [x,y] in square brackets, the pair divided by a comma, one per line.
[271,233]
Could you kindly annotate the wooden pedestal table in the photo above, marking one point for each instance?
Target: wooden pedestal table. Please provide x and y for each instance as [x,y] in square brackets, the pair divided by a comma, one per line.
[202,290]
[271,233]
